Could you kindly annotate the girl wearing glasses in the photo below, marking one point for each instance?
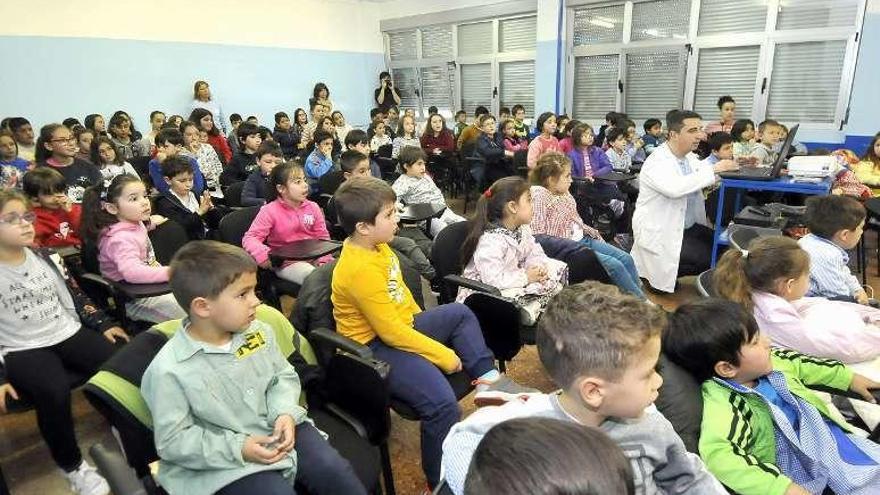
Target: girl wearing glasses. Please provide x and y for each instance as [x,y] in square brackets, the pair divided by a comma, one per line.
[48,329]
[56,148]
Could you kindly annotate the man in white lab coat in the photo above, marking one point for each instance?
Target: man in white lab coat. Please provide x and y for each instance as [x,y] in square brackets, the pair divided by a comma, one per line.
[672,237]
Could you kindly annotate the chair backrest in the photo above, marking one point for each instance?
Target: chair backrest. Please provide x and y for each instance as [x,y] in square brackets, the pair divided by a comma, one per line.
[385,150]
[741,236]
[706,283]
[681,401]
[167,239]
[232,194]
[236,223]
[446,255]
[500,322]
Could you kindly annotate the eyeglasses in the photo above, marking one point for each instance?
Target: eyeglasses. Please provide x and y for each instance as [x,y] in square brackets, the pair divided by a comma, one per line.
[71,139]
[16,219]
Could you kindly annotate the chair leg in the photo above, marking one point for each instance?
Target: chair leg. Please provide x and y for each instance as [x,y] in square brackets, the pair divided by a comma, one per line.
[387,475]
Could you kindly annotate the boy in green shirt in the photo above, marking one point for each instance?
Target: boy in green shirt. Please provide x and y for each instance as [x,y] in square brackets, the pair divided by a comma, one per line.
[224,401]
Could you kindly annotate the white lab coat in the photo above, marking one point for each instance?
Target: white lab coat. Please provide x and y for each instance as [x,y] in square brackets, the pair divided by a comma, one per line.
[658,221]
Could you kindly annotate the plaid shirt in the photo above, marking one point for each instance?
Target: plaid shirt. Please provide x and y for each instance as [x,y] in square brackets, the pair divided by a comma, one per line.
[556,214]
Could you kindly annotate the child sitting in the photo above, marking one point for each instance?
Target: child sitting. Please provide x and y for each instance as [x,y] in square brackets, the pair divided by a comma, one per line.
[653,136]
[57,218]
[763,431]
[285,135]
[565,141]
[512,141]
[835,224]
[84,138]
[245,161]
[545,141]
[720,148]
[496,161]
[406,136]
[122,136]
[500,250]
[49,328]
[770,132]
[373,306]
[601,349]
[414,186]
[771,279]
[320,161]
[635,146]
[180,203]
[224,402]
[290,217]
[621,161]
[116,218]
[525,456]
[254,193]
[169,143]
[56,148]
[555,213]
[380,138]
[460,123]
[205,156]
[743,134]
[357,140]
[12,167]
[110,163]
[521,129]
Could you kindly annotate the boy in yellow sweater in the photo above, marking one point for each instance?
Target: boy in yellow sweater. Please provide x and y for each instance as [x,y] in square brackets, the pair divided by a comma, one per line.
[373,306]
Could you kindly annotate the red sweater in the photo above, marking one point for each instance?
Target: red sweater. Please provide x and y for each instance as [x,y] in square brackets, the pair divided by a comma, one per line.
[444,141]
[220,146]
[57,228]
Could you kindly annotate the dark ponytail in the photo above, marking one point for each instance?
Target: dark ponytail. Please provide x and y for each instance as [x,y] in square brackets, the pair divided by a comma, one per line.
[279,176]
[94,217]
[490,210]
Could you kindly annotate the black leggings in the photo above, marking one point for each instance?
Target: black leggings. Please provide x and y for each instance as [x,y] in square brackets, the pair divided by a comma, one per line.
[42,375]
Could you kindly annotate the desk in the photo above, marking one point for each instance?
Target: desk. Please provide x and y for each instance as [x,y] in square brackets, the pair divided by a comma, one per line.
[139,291]
[783,184]
[303,250]
[418,212]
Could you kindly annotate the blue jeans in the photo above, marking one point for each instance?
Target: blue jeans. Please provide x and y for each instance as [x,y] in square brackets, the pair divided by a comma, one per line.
[420,384]
[319,468]
[619,265]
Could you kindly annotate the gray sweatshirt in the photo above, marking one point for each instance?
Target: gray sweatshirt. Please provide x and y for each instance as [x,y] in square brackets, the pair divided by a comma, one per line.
[659,460]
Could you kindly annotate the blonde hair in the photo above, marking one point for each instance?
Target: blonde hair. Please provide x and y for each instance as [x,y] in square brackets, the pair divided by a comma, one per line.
[769,259]
[551,165]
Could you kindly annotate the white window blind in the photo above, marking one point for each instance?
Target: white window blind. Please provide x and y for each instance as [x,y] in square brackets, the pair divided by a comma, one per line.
[517,34]
[436,89]
[475,39]
[732,16]
[805,82]
[598,25]
[402,45]
[595,86]
[726,71]
[437,41]
[518,85]
[814,14]
[660,19]
[654,83]
[406,80]
[476,86]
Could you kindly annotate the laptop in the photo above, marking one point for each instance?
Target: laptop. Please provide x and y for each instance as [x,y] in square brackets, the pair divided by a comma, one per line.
[764,173]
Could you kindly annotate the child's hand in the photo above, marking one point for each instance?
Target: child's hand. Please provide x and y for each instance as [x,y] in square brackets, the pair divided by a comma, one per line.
[67,204]
[205,203]
[6,390]
[536,274]
[285,433]
[161,156]
[725,166]
[593,233]
[113,333]
[266,264]
[508,154]
[861,297]
[458,366]
[157,220]
[255,450]
[795,489]
[863,386]
[837,191]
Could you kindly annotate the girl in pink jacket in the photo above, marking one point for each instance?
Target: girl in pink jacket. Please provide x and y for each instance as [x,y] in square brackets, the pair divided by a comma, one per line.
[290,217]
[116,216]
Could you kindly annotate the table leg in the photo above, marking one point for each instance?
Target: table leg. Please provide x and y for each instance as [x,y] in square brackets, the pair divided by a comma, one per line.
[719,229]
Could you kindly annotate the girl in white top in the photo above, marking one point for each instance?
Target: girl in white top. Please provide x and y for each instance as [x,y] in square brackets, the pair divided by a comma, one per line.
[108,160]
[205,155]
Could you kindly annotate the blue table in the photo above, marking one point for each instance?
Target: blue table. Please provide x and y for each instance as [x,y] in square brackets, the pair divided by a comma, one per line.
[783,184]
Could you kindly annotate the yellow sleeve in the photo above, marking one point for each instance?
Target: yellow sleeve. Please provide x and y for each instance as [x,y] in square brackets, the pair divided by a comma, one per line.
[866,173]
[385,316]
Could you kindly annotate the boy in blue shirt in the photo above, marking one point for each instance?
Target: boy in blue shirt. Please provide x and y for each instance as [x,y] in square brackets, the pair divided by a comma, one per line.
[319,162]
[224,401]
[720,147]
[835,224]
[764,432]
[653,136]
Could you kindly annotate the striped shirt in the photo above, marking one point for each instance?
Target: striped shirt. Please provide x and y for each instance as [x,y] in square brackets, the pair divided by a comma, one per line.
[829,272]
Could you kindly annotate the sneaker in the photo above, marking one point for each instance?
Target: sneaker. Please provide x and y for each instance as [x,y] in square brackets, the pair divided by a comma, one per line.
[86,481]
[501,391]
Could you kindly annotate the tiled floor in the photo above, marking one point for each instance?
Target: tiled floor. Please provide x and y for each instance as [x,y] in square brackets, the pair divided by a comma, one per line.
[30,471]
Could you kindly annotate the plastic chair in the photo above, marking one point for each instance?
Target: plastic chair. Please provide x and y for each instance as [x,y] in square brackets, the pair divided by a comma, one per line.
[232,194]
[115,392]
[706,283]
[741,236]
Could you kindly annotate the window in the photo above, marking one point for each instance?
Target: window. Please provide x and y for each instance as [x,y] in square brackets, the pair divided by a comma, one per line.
[462,66]
[791,60]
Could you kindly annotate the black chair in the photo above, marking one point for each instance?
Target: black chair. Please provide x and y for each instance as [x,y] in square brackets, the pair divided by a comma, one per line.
[167,239]
[115,393]
[141,165]
[741,236]
[232,194]
[499,316]
[387,165]
[872,223]
[469,162]
[231,230]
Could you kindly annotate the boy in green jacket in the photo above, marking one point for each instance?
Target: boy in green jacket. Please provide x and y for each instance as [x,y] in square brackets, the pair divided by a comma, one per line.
[763,431]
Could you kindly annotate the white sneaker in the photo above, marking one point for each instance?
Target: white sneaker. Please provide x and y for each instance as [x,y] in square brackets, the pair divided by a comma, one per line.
[86,481]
